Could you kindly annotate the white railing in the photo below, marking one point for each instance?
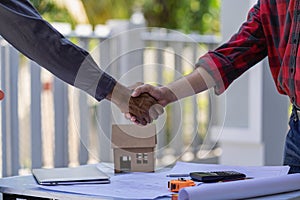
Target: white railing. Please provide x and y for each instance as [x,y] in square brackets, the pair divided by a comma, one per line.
[46,123]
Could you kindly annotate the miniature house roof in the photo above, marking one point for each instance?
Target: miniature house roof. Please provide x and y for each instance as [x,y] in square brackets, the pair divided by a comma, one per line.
[133,136]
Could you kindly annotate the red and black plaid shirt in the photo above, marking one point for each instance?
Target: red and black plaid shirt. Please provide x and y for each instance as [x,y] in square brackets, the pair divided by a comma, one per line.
[272,29]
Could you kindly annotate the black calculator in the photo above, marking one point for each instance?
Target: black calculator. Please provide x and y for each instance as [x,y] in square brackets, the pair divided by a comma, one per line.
[216,176]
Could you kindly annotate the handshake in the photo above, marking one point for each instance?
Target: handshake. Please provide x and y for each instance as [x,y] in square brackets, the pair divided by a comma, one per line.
[141,103]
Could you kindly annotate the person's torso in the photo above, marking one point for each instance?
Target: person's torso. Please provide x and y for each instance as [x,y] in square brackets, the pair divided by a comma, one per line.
[281,24]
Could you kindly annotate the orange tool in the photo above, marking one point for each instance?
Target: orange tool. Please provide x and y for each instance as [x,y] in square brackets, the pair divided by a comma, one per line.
[176,185]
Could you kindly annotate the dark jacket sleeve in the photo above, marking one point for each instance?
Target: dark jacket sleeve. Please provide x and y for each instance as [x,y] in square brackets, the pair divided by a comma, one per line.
[23,27]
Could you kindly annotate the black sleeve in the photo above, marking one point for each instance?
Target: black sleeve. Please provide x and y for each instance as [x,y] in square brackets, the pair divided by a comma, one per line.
[23,27]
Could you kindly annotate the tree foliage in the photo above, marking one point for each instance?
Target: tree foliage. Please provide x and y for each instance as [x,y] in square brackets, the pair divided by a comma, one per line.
[53,12]
[99,11]
[200,16]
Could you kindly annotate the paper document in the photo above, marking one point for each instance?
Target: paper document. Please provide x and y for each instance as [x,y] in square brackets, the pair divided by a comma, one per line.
[242,189]
[125,186]
[154,185]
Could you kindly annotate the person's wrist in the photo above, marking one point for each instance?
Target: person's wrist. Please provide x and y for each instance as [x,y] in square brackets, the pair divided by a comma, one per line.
[169,96]
[120,96]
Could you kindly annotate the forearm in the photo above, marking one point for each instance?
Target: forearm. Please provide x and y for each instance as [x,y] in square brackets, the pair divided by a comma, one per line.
[120,96]
[197,81]
[24,28]
[244,49]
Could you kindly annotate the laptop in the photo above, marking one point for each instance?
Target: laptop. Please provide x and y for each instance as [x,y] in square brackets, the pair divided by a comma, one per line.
[86,174]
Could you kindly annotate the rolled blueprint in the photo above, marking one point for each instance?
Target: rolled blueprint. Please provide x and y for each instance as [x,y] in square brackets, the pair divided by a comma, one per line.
[242,189]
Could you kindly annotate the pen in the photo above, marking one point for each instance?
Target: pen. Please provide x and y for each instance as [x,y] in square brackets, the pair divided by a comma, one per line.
[178,175]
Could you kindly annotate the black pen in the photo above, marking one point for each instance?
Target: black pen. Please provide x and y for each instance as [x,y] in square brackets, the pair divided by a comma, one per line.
[178,175]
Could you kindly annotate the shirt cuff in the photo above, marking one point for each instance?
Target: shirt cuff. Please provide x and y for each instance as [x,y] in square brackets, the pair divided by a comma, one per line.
[210,69]
[105,86]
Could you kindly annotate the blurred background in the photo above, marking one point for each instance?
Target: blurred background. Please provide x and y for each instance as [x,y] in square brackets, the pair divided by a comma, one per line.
[188,16]
[46,123]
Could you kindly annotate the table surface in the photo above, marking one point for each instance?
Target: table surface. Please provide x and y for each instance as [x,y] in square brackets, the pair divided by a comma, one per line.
[26,186]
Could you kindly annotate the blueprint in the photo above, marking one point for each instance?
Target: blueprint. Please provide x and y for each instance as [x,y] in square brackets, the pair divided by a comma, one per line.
[153,185]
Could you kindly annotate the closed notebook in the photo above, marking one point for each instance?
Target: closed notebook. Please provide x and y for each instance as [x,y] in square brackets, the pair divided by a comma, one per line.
[65,176]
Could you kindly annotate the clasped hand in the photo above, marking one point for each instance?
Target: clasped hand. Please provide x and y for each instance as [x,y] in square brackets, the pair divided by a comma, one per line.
[141,109]
[151,97]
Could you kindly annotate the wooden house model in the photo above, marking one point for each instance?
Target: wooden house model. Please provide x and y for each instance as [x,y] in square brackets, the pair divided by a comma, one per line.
[133,148]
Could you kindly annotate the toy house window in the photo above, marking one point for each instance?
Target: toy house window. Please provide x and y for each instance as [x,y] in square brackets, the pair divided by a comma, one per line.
[142,158]
[139,158]
[125,163]
[145,158]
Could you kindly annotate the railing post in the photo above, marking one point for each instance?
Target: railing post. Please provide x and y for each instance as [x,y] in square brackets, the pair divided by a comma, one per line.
[10,122]
[36,116]
[104,109]
[84,129]
[61,109]
[127,53]
[176,114]
[196,137]
[84,115]
[161,135]
[120,54]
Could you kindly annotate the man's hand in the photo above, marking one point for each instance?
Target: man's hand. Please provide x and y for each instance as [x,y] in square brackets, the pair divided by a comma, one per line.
[144,108]
[163,95]
[191,84]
